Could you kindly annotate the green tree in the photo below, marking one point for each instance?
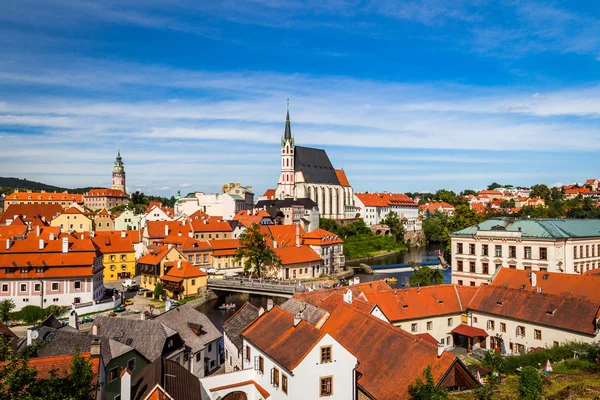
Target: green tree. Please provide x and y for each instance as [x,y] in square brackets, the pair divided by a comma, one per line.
[396,226]
[425,276]
[487,391]
[433,226]
[468,192]
[494,186]
[328,224]
[255,250]
[6,307]
[426,390]
[540,190]
[158,290]
[530,384]
[445,195]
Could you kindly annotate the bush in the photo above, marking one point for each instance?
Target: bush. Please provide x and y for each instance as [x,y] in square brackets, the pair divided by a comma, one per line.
[158,290]
[530,384]
[29,314]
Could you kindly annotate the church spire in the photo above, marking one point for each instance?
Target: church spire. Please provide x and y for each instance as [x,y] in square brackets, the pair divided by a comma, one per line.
[288,127]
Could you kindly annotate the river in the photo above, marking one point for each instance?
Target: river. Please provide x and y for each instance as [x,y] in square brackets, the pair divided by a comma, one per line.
[218,317]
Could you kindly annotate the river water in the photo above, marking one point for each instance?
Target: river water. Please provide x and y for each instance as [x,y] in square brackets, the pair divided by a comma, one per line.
[218,317]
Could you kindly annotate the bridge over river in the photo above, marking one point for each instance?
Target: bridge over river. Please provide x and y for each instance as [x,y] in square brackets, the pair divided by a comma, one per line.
[245,285]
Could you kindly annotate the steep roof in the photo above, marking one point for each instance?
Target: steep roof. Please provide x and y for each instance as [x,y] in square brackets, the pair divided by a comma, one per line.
[29,211]
[147,336]
[104,192]
[112,242]
[296,255]
[234,326]
[314,165]
[342,178]
[195,328]
[320,237]
[274,333]
[538,228]
[154,256]
[178,382]
[316,297]
[61,365]
[393,358]
[156,229]
[181,269]
[210,224]
[569,314]
[576,286]
[310,313]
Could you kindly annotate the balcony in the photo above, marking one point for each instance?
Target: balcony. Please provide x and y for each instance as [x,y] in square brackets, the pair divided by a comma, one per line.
[172,286]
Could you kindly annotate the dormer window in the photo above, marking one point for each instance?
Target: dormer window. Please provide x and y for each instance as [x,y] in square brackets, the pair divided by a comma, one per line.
[499,303]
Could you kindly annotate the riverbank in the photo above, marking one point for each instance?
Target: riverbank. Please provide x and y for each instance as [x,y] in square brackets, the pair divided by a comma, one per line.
[369,245]
[356,261]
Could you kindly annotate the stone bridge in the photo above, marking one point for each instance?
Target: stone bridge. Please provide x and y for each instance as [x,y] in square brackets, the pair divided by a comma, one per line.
[245,285]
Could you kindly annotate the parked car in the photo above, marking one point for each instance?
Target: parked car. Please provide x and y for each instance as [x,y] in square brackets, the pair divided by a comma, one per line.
[129,283]
[87,319]
[128,302]
[119,309]
[142,292]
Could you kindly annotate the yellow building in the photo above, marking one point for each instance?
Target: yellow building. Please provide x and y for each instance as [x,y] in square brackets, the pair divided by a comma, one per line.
[223,256]
[72,220]
[118,254]
[184,280]
[152,266]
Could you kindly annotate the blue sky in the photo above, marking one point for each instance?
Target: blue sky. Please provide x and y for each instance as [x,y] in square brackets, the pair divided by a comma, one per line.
[404,95]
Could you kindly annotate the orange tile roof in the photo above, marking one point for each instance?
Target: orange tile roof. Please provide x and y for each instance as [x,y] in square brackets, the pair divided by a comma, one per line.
[435,206]
[568,285]
[385,199]
[269,194]
[158,393]
[112,242]
[260,389]
[393,360]
[341,175]
[359,303]
[60,364]
[156,229]
[564,313]
[154,256]
[13,231]
[182,270]
[320,237]
[45,196]
[490,192]
[210,224]
[104,192]
[316,297]
[29,211]
[275,334]
[249,217]
[72,210]
[427,337]
[296,255]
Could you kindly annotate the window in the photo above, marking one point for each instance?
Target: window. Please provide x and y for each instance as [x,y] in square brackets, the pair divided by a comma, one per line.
[123,257]
[472,267]
[198,357]
[528,252]
[574,251]
[459,266]
[261,365]
[521,331]
[502,327]
[209,347]
[197,258]
[484,250]
[284,383]
[555,344]
[54,285]
[459,248]
[472,249]
[543,253]
[491,324]
[326,386]
[537,334]
[325,354]
[23,287]
[275,377]
[498,250]
[190,259]
[472,283]
[429,325]
[460,282]
[77,285]
[475,320]
[512,251]
[131,364]
[113,374]
[486,268]
[442,342]
[37,287]
[413,327]
[112,267]
[450,321]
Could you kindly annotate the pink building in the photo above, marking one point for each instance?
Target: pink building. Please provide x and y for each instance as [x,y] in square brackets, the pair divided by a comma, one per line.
[42,272]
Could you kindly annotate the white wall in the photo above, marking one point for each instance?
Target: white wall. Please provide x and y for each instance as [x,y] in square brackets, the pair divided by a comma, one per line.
[439,330]
[233,358]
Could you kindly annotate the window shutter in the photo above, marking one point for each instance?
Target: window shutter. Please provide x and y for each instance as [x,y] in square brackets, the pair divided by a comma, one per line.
[256,363]
[272,376]
[243,353]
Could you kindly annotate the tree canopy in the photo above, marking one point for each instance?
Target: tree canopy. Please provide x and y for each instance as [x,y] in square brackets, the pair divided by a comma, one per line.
[396,226]
[426,390]
[258,255]
[425,276]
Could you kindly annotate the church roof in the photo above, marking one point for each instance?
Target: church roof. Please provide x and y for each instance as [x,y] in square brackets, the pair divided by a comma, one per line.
[315,166]
[288,127]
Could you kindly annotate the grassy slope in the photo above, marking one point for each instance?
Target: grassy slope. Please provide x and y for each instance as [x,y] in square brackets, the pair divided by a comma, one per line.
[361,246]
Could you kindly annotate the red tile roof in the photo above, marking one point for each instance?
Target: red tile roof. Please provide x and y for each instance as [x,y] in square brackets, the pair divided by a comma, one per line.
[210,224]
[13,231]
[260,389]
[60,364]
[568,285]
[154,256]
[296,255]
[470,331]
[274,333]
[316,297]
[490,192]
[249,217]
[104,192]
[385,199]
[156,229]
[341,175]
[45,196]
[320,237]
[393,358]
[269,194]
[427,337]
[112,242]
[29,211]
[182,270]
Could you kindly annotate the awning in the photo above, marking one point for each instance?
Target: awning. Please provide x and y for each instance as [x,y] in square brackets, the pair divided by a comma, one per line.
[469,331]
[428,338]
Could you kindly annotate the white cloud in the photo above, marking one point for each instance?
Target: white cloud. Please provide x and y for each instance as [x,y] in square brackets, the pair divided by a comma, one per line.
[185,185]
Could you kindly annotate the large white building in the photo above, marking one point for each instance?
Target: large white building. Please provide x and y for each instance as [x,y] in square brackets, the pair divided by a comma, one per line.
[375,207]
[216,205]
[570,246]
[308,173]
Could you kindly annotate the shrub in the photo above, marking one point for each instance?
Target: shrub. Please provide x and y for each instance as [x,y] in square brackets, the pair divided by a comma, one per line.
[29,314]
[158,290]
[530,384]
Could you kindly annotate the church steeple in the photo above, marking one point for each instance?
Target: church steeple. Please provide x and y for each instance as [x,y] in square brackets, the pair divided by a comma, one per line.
[288,127]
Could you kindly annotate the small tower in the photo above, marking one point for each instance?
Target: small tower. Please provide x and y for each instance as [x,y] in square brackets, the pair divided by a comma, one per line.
[118,175]
[287,180]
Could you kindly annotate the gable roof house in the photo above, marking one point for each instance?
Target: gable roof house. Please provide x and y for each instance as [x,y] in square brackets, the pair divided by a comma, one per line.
[232,335]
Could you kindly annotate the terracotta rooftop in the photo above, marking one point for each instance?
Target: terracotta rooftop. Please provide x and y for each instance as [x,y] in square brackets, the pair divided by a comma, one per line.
[385,199]
[45,196]
[260,389]
[60,364]
[296,255]
[316,297]
[156,229]
[341,175]
[275,334]
[154,256]
[210,224]
[182,270]
[29,211]
[104,192]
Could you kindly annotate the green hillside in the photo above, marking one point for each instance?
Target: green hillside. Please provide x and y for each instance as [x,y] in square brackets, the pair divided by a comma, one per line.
[8,185]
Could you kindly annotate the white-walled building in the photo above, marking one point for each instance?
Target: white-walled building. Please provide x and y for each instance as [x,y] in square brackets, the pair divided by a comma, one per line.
[375,207]
[62,271]
[570,246]
[156,213]
[216,205]
[128,221]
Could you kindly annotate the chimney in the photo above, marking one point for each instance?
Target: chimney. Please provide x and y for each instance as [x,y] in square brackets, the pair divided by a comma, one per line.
[41,244]
[297,235]
[37,230]
[73,320]
[166,230]
[297,318]
[440,349]
[95,348]
[92,234]
[144,315]
[274,244]
[178,264]
[533,279]
[81,236]
[261,311]
[125,385]
[51,236]
[32,335]
[95,328]
[269,304]
[8,244]
[348,296]
[123,234]
[65,245]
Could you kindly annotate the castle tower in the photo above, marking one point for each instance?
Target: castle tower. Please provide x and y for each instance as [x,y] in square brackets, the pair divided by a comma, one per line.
[118,175]
[287,179]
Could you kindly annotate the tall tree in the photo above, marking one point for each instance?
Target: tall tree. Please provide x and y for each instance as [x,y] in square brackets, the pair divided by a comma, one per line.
[530,384]
[255,250]
[396,226]
[6,307]
[426,390]
[540,190]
